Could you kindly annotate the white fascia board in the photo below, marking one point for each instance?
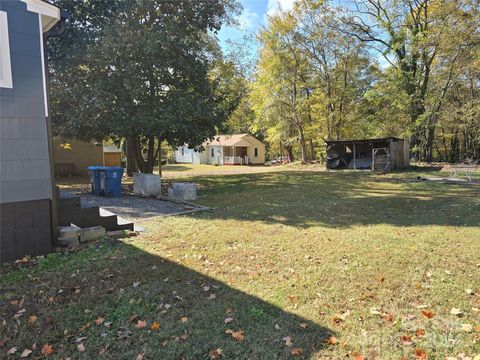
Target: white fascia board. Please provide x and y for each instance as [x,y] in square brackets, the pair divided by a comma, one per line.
[5,63]
[49,14]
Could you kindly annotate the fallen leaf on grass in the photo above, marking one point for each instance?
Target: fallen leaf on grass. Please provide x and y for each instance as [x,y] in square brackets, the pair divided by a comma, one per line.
[228,320]
[428,314]
[99,320]
[26,353]
[304,325]
[141,324]
[420,354]
[388,317]
[155,326]
[288,341]
[375,311]
[184,319]
[358,357]
[456,312]
[332,340]
[47,349]
[420,333]
[406,340]
[277,327]
[296,351]
[81,347]
[469,291]
[215,354]
[466,327]
[4,341]
[139,357]
[85,327]
[237,335]
[164,343]
[212,296]
[206,288]
[12,350]
[32,319]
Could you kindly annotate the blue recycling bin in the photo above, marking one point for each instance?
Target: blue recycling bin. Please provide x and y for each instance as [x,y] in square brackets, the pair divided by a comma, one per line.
[94,174]
[111,180]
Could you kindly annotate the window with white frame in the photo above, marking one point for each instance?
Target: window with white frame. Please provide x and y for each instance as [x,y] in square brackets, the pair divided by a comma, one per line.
[5,64]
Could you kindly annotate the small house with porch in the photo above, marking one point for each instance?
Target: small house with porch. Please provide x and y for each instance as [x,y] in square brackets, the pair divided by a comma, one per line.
[382,154]
[237,149]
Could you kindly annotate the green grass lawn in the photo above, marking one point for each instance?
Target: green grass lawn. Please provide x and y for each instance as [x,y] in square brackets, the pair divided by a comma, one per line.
[376,262]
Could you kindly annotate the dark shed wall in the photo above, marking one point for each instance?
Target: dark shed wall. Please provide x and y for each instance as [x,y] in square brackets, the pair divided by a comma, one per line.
[25,166]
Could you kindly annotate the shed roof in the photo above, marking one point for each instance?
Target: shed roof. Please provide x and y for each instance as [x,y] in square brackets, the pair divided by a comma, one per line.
[363,141]
[111,149]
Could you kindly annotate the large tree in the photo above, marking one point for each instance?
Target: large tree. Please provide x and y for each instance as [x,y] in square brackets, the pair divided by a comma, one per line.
[147,71]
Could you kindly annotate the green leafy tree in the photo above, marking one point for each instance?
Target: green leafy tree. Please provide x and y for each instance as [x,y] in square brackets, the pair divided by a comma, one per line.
[147,72]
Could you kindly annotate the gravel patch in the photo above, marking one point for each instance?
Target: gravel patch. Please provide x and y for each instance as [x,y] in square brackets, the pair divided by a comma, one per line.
[134,207]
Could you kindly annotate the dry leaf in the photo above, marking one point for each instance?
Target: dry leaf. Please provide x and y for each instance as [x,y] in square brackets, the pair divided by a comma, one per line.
[228,320]
[428,314]
[237,335]
[212,296]
[164,343]
[4,341]
[141,324]
[388,317]
[47,349]
[420,333]
[99,320]
[421,354]
[215,354]
[456,312]
[359,357]
[32,319]
[406,340]
[81,347]
[296,351]
[206,288]
[304,325]
[25,353]
[375,311]
[466,327]
[288,340]
[12,350]
[277,327]
[85,327]
[332,340]
[155,326]
[139,357]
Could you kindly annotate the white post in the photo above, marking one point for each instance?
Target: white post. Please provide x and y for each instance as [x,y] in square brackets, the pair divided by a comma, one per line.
[354,157]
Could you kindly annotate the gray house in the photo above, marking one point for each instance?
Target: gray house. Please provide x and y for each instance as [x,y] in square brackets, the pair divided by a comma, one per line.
[27,208]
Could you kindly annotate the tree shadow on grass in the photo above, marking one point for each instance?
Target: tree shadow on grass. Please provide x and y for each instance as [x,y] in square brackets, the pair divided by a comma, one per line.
[337,199]
[123,284]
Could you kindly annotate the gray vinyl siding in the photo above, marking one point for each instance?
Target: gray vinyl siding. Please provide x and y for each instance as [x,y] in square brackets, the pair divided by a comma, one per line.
[24,161]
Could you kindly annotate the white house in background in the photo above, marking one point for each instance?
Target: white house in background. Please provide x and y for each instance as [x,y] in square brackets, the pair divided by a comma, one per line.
[237,149]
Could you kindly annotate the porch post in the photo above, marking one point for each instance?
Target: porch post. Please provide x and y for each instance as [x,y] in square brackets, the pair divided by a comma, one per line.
[354,157]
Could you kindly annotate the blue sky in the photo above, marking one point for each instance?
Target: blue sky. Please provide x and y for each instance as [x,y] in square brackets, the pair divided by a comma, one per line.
[253,16]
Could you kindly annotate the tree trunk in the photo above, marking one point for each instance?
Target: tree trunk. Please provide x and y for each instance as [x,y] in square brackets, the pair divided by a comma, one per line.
[159,156]
[312,150]
[289,150]
[131,157]
[303,145]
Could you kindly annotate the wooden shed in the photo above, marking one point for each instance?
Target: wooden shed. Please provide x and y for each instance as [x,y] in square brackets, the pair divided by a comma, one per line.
[382,154]
[112,156]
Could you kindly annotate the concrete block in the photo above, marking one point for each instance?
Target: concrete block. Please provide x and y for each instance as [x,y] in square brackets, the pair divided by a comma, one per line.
[68,242]
[183,191]
[147,184]
[92,233]
[69,232]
